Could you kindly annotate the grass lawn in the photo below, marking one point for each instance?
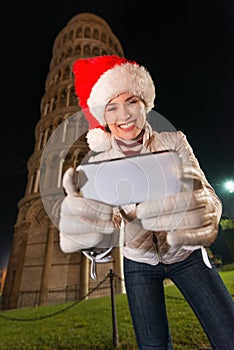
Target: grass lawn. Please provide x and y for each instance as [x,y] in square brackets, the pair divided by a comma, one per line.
[87,325]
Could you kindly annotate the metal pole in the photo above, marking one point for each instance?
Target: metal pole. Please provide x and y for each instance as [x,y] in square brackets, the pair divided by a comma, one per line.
[113,308]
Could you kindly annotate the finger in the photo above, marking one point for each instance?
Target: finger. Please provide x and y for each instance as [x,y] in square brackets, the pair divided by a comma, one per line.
[68,182]
[191,172]
[180,203]
[204,236]
[77,242]
[178,221]
[77,225]
[78,206]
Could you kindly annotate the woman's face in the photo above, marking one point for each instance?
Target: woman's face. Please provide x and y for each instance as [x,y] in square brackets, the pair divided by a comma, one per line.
[125,116]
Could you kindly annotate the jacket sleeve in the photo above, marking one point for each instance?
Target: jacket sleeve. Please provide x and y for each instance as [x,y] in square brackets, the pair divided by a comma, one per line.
[189,160]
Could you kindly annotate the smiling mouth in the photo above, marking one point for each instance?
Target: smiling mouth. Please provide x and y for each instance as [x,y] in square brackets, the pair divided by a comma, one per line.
[126,126]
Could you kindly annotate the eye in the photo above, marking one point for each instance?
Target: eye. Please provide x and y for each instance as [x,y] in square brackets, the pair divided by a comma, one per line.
[111,107]
[133,101]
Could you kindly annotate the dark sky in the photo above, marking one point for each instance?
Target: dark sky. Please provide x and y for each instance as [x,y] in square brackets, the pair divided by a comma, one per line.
[188,47]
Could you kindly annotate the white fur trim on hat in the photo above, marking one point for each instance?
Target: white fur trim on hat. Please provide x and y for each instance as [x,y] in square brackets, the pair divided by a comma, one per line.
[126,77]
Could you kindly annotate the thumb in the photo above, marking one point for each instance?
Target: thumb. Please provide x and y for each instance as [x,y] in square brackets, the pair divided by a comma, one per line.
[69,183]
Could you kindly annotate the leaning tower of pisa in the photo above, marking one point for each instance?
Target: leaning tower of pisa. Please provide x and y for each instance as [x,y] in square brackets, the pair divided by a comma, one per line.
[39,273]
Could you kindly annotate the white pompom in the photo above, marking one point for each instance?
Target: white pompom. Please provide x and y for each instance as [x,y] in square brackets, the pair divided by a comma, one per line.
[98,139]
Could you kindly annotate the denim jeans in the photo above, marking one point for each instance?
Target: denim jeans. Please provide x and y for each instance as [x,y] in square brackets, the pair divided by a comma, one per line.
[201,286]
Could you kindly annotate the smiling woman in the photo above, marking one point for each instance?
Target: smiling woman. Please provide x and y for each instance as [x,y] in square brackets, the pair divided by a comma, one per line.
[164,237]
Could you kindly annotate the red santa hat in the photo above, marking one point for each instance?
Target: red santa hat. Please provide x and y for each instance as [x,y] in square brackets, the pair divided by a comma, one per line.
[99,79]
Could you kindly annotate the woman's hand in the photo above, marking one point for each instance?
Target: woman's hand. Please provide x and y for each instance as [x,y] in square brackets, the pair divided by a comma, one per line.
[84,223]
[189,217]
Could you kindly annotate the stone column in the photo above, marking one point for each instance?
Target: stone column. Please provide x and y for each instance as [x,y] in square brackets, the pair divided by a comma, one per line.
[84,277]
[49,251]
[11,294]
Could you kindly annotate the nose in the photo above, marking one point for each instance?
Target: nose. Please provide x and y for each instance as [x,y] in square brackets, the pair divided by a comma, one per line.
[125,115]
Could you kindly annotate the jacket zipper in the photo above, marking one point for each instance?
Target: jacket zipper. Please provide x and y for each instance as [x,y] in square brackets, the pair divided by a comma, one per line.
[157,246]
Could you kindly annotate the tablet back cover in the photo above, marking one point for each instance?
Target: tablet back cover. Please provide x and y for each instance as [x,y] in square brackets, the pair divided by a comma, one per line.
[132,179]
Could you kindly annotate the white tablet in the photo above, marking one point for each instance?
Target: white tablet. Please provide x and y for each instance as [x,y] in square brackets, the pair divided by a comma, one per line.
[131,179]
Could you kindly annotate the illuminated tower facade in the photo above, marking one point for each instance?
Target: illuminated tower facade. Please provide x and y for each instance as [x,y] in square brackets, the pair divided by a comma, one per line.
[39,273]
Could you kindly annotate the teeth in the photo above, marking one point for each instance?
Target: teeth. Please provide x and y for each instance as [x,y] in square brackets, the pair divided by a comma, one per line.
[125,126]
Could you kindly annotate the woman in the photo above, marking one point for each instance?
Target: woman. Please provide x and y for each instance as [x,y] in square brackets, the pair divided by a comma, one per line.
[164,238]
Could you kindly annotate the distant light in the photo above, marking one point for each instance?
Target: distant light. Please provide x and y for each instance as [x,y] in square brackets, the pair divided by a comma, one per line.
[229,185]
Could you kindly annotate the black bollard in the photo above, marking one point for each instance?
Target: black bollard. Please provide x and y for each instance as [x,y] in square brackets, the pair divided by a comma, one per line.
[113,309]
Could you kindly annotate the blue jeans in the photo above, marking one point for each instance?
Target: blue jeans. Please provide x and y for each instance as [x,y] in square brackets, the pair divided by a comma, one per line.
[200,285]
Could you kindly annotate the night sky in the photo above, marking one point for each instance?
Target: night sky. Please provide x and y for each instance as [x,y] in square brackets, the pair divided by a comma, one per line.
[187,46]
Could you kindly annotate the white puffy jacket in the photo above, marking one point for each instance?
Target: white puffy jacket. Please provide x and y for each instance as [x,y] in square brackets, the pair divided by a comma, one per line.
[147,246]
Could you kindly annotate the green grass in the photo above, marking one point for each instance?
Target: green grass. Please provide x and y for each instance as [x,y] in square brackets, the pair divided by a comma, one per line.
[87,325]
